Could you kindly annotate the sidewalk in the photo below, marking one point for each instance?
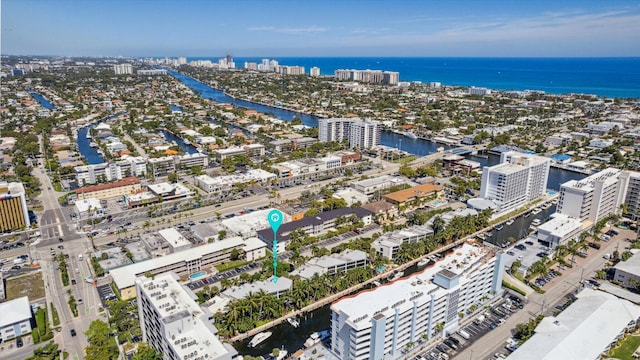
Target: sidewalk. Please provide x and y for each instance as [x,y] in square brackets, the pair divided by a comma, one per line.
[517,283]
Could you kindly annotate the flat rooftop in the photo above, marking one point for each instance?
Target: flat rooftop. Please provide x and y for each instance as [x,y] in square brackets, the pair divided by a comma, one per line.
[369,302]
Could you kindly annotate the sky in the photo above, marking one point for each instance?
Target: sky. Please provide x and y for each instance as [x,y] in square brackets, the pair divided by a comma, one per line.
[245,28]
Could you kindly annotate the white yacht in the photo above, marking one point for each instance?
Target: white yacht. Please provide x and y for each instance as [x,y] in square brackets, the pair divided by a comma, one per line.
[295,323]
[317,337]
[256,340]
[410,135]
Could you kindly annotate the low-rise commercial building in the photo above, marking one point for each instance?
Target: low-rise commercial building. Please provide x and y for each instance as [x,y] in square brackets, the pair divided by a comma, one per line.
[130,185]
[388,244]
[587,328]
[332,264]
[183,263]
[406,196]
[378,184]
[627,272]
[174,325]
[313,225]
[559,230]
[16,318]
[379,323]
[269,286]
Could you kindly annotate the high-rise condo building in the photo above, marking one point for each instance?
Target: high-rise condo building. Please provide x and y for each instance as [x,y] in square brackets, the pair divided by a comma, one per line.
[380,323]
[123,69]
[592,198]
[14,214]
[361,134]
[174,324]
[314,71]
[518,179]
[368,76]
[630,187]
[182,60]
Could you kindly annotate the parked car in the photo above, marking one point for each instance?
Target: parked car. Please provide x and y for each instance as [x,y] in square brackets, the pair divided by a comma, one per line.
[73,332]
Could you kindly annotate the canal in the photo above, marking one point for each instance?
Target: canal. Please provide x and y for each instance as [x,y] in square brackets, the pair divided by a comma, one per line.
[42,100]
[170,137]
[90,154]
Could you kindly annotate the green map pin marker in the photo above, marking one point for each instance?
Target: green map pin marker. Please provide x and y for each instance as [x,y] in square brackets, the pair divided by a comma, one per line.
[275,219]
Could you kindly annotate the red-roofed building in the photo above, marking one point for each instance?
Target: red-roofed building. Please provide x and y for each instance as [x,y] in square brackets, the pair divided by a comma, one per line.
[129,185]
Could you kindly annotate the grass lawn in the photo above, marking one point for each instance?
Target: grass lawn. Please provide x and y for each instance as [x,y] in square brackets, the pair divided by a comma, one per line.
[30,285]
[231,265]
[626,349]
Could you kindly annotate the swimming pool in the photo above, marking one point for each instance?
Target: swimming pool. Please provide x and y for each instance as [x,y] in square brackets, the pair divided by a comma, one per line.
[197,275]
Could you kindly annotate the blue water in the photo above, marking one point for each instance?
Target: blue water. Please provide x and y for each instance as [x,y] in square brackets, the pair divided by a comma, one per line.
[41,99]
[90,154]
[611,77]
[189,149]
[197,275]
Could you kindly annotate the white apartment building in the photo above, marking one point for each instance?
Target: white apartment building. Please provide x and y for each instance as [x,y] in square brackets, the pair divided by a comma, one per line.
[251,150]
[368,76]
[225,183]
[592,198]
[518,179]
[104,172]
[630,187]
[173,323]
[362,134]
[379,323]
[123,69]
[388,244]
[314,71]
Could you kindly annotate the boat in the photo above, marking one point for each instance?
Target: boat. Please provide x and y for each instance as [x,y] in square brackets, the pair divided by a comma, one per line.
[423,262]
[536,211]
[499,227]
[527,214]
[509,222]
[256,340]
[536,222]
[316,338]
[89,135]
[395,276]
[376,283]
[186,142]
[93,144]
[546,205]
[410,135]
[440,149]
[295,323]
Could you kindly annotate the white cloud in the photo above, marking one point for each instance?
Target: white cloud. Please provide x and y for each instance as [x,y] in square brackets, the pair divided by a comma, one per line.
[290,30]
[580,29]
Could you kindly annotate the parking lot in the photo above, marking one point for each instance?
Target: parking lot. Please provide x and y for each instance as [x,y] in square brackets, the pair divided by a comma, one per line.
[482,323]
[106,294]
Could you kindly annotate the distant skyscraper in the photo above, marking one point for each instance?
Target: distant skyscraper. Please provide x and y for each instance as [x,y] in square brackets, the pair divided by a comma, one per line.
[368,76]
[361,134]
[182,60]
[518,179]
[123,69]
[314,71]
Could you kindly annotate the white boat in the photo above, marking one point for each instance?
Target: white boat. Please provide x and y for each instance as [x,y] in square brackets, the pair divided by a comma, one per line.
[536,211]
[295,323]
[410,135]
[509,222]
[395,276]
[499,227]
[256,340]
[423,262]
[316,338]
[376,283]
[187,142]
[440,149]
[93,144]
[536,222]
[88,135]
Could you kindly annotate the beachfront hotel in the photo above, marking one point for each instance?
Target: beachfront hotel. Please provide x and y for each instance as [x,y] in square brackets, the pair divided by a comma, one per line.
[379,323]
[518,179]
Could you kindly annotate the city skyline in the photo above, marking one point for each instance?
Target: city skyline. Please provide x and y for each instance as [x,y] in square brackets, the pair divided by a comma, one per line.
[408,28]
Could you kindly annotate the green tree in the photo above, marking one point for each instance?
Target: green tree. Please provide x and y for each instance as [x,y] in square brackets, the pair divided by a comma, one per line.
[146,352]
[172,177]
[101,345]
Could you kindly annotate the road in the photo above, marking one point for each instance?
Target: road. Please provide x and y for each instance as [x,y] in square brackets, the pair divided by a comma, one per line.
[555,293]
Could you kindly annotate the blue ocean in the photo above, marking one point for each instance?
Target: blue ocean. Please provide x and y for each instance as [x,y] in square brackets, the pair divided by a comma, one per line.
[609,77]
